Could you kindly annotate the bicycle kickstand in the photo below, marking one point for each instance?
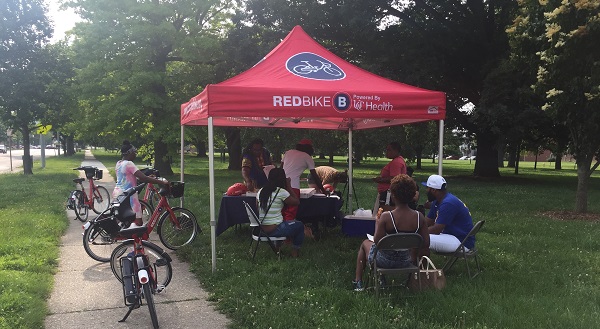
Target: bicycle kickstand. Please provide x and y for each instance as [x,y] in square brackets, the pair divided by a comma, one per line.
[131,308]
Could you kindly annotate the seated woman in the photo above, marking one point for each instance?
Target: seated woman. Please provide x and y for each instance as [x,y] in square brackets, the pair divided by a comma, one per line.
[402,219]
[271,199]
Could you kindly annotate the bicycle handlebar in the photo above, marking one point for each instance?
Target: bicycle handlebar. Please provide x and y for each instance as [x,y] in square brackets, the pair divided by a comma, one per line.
[85,167]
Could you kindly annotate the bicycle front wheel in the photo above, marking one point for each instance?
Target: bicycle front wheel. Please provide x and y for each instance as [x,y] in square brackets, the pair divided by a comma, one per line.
[177,229]
[158,258]
[81,209]
[149,297]
[98,244]
[101,199]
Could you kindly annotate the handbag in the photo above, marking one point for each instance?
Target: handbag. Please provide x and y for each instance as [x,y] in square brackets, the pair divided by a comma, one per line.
[431,277]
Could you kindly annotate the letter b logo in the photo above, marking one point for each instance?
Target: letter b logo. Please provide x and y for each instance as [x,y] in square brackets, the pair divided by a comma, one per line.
[341,102]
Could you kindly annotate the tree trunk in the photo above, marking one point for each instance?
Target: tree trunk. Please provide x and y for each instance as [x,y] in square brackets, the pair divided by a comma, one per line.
[558,161]
[234,147]
[27,164]
[486,164]
[501,148]
[162,161]
[201,148]
[70,145]
[512,157]
[583,178]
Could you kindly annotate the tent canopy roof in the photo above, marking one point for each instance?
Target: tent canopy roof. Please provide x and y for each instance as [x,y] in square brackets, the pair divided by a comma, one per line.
[300,84]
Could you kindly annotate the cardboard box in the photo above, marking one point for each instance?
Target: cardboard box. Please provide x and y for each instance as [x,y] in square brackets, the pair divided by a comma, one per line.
[306,193]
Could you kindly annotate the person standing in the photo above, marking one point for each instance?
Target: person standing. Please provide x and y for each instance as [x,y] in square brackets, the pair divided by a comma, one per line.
[294,163]
[395,167]
[127,175]
[449,220]
[254,158]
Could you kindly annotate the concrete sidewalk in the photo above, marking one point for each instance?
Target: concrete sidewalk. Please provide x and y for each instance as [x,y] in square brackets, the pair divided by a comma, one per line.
[87,295]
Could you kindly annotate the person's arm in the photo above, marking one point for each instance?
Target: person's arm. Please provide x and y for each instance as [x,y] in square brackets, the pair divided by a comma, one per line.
[247,180]
[317,181]
[147,179]
[436,228]
[293,199]
[424,233]
[380,226]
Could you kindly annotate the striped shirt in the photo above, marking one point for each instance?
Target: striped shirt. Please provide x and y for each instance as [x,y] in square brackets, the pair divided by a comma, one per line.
[274,215]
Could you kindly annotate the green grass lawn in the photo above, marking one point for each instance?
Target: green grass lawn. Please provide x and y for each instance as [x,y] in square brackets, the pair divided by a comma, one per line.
[538,272]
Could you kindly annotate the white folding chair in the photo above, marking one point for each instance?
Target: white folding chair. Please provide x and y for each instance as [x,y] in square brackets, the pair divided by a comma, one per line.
[258,234]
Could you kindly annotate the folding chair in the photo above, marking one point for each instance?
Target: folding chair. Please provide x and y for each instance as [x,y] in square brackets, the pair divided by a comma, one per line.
[461,252]
[395,242]
[259,235]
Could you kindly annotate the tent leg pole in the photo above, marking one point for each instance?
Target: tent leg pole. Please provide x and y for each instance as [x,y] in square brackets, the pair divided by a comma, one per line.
[350,170]
[211,184]
[181,165]
[441,147]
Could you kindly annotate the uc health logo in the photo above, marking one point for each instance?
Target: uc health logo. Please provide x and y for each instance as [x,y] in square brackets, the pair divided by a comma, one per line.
[312,66]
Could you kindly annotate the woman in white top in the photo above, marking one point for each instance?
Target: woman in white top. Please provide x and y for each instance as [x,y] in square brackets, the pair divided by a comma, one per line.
[271,200]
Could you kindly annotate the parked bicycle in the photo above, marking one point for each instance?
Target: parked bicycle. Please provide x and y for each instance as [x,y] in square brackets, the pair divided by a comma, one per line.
[176,226]
[96,197]
[139,273]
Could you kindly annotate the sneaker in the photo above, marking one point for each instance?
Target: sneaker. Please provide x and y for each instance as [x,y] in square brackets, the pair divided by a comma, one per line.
[358,285]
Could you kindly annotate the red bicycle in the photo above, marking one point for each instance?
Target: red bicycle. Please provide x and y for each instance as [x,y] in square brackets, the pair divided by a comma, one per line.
[96,198]
[139,263]
[176,226]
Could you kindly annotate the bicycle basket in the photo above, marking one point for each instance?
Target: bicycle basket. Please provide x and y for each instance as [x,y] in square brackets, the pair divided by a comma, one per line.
[90,172]
[177,189]
[98,174]
[108,223]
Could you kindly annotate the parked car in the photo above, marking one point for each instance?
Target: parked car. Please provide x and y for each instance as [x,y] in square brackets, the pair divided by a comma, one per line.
[452,157]
[2,149]
[472,158]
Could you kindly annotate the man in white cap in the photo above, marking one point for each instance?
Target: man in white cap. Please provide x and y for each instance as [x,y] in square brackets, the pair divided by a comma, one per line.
[449,219]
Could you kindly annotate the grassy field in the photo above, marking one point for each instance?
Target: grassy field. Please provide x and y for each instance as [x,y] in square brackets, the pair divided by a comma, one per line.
[539,272]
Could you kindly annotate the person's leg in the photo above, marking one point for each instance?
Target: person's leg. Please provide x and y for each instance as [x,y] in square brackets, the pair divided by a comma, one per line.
[361,259]
[293,229]
[443,242]
[137,208]
[289,212]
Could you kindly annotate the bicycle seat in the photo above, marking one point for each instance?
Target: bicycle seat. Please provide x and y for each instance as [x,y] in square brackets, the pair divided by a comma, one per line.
[78,180]
[129,232]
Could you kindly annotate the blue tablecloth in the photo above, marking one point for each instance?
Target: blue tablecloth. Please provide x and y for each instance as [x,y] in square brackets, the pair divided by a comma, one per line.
[232,210]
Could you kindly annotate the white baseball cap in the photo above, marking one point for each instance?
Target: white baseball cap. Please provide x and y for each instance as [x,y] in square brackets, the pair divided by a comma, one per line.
[436,182]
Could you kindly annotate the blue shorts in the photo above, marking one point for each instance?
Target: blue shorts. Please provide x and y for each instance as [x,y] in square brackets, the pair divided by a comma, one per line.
[385,262]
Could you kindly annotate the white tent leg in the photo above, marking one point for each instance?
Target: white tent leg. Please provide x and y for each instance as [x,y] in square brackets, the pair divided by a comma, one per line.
[441,147]
[350,170]
[181,165]
[211,185]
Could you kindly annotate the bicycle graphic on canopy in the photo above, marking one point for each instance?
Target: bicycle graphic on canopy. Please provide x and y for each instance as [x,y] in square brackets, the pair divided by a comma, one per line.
[308,68]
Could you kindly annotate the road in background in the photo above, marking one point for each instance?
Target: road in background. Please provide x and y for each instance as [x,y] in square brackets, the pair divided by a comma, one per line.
[17,159]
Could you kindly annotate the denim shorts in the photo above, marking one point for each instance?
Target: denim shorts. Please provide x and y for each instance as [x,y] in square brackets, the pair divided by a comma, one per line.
[385,262]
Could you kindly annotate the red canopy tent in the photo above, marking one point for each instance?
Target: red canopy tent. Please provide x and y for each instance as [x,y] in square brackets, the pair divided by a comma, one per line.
[300,84]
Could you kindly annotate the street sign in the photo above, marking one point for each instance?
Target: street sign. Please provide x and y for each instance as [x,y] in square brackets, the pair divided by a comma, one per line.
[43,130]
[8,132]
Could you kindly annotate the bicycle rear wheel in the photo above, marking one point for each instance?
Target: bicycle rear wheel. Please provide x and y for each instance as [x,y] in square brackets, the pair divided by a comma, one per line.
[158,258]
[179,230]
[98,243]
[81,209]
[149,297]
[101,199]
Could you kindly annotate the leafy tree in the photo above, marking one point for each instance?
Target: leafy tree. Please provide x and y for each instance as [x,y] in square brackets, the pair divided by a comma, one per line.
[568,74]
[140,60]
[26,67]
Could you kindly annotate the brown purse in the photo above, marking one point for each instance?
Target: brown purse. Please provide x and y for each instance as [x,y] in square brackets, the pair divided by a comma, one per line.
[431,277]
